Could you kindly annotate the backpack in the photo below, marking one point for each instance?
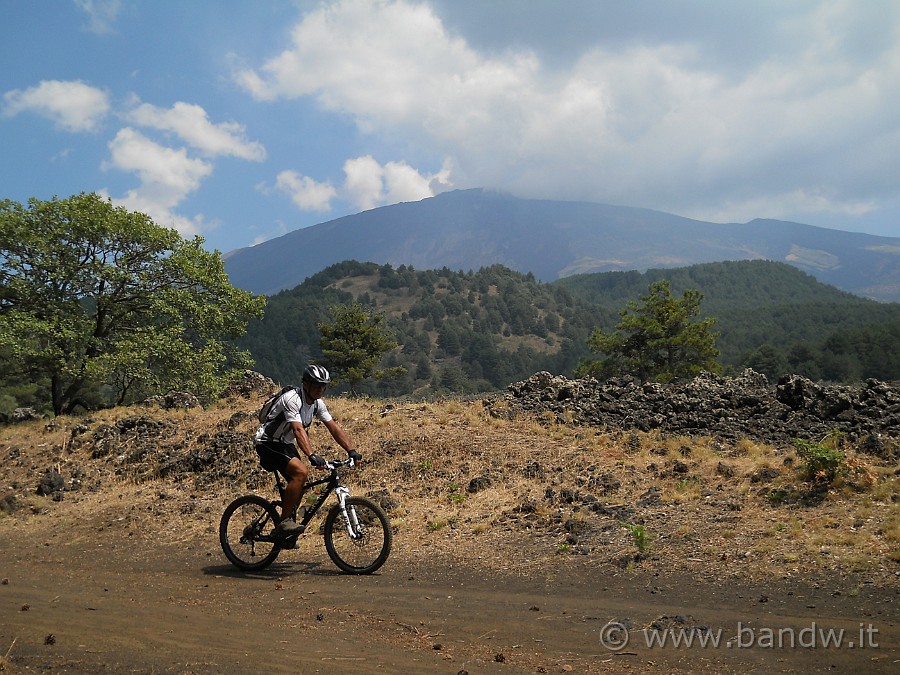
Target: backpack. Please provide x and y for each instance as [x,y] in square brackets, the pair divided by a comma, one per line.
[263,413]
[273,424]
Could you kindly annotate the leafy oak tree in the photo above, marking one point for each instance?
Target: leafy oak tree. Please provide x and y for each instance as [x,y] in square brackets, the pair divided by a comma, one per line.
[104,306]
[354,342]
[656,339]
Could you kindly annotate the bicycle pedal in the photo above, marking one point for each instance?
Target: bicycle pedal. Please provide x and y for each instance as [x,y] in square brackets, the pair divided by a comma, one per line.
[290,541]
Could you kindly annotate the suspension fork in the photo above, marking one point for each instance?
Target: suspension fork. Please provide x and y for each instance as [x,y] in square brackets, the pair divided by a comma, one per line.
[351,522]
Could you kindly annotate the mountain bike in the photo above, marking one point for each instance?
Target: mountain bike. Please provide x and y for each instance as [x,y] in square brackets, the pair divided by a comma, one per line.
[357,532]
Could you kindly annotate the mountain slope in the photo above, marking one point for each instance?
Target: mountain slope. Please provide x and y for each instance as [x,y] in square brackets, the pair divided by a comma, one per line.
[470,229]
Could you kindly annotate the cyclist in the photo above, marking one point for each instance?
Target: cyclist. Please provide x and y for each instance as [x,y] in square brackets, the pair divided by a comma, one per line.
[288,420]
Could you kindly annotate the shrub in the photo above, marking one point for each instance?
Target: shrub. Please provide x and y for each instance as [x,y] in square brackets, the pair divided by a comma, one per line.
[820,462]
[826,463]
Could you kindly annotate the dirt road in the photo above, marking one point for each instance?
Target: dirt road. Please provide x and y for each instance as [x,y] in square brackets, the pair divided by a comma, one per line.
[101,598]
[118,569]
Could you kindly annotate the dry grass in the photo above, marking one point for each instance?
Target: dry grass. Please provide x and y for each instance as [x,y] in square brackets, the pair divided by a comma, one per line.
[520,495]
[5,664]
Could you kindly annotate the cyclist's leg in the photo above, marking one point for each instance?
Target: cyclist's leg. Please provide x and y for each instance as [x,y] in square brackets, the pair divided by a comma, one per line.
[296,472]
[282,457]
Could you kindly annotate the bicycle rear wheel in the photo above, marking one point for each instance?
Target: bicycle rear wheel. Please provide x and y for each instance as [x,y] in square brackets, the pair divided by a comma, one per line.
[362,545]
[245,532]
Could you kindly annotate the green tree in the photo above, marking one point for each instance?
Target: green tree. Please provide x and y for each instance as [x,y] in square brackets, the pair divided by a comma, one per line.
[767,360]
[657,339]
[96,299]
[355,342]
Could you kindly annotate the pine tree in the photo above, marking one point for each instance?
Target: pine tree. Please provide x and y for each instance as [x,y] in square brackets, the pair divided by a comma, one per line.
[354,343]
[656,339]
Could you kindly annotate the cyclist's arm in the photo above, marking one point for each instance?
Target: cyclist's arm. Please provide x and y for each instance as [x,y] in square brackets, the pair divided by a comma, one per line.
[302,438]
[338,434]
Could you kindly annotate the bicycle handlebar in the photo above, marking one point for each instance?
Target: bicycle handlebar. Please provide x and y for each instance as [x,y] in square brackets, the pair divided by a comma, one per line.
[333,464]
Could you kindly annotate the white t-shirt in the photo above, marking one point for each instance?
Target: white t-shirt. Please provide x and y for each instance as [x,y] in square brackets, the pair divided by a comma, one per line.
[295,409]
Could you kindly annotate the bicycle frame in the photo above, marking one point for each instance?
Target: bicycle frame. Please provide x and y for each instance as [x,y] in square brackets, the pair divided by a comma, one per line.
[332,483]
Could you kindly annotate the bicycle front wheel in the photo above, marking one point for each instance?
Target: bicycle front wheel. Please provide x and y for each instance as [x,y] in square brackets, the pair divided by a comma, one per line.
[361,542]
[246,532]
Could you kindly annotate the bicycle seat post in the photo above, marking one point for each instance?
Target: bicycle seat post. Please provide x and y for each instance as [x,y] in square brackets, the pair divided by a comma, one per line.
[279,485]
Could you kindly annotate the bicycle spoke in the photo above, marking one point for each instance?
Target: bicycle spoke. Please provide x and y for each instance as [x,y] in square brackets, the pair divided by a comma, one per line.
[361,542]
[245,532]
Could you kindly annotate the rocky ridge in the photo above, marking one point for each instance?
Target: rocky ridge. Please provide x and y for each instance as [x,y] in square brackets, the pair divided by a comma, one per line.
[730,408]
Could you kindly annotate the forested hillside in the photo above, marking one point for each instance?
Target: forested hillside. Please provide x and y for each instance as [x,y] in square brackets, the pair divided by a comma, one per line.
[773,318]
[475,331]
[458,331]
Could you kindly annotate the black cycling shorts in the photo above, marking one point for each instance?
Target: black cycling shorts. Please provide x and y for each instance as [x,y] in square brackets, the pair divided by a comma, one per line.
[275,455]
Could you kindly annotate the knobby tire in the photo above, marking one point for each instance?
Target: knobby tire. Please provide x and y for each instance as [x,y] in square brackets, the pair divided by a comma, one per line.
[240,542]
[366,554]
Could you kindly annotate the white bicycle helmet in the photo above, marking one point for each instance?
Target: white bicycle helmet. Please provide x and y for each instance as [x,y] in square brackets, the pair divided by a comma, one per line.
[316,374]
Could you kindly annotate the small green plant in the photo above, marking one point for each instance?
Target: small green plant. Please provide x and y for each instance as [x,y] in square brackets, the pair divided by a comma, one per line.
[639,535]
[685,485]
[821,462]
[456,496]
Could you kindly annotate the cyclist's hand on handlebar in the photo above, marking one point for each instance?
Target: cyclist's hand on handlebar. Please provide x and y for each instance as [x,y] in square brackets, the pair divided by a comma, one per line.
[355,456]
[317,461]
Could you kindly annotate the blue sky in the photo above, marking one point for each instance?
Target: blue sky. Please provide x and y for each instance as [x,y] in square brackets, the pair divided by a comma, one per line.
[240,121]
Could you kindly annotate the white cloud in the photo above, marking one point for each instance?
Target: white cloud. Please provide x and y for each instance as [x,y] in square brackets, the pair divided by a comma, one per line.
[403,183]
[167,177]
[71,105]
[306,193]
[356,54]
[391,63]
[364,184]
[191,123]
[101,14]
[785,206]
[368,184]
[139,200]
[157,165]
[652,122]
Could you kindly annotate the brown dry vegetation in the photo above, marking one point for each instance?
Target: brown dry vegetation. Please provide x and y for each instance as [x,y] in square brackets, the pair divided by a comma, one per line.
[523,496]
